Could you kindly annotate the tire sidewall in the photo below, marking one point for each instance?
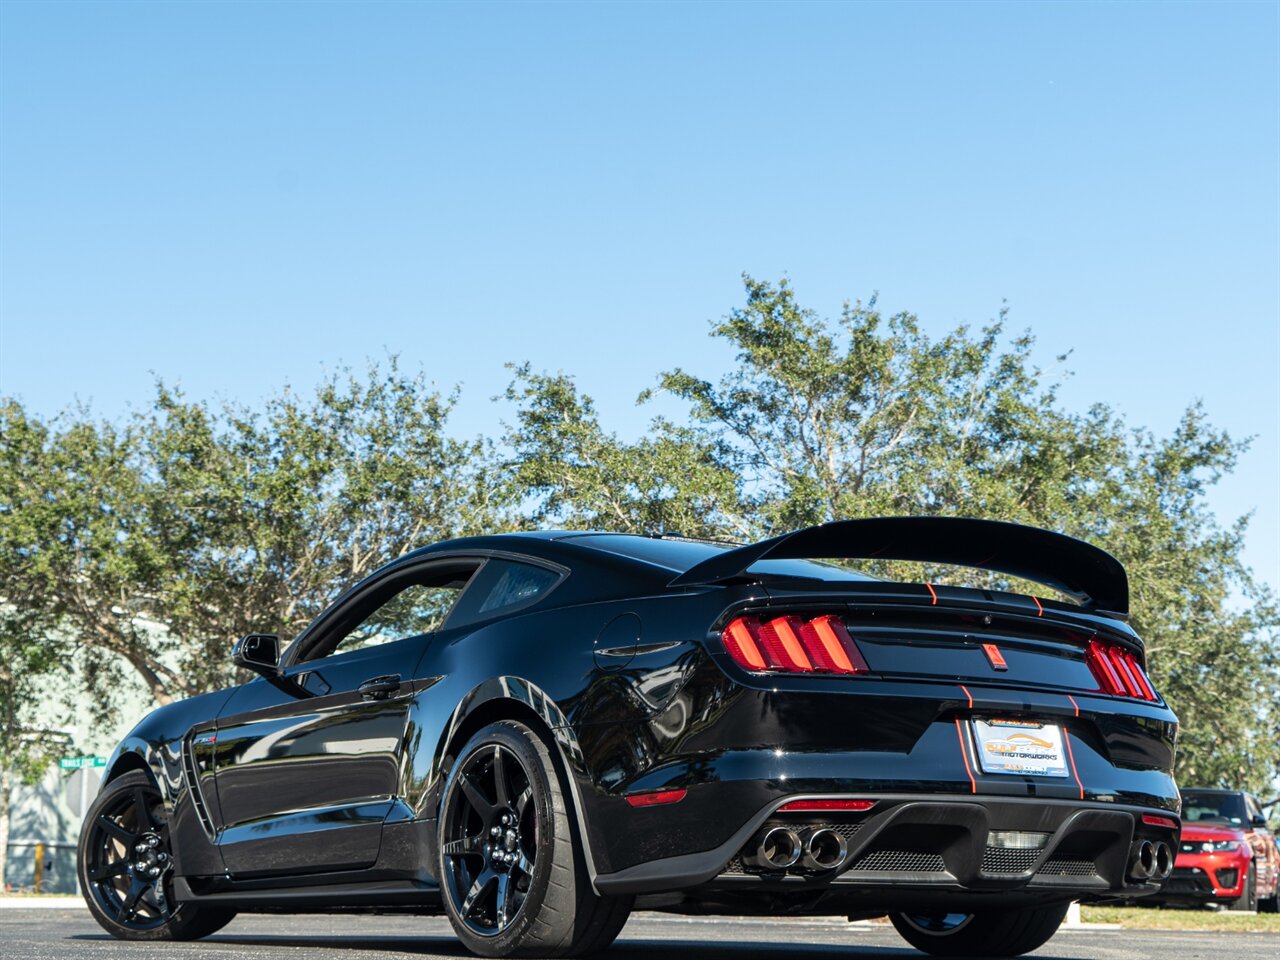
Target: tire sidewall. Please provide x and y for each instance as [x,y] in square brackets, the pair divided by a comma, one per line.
[187,922]
[536,760]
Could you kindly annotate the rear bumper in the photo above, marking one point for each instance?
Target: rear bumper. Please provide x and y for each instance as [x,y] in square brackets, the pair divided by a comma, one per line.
[906,846]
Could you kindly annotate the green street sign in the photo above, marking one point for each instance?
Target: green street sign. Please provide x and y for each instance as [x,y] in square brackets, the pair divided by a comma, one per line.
[76,763]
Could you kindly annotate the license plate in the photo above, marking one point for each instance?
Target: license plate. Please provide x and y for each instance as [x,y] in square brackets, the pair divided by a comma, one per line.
[1020,748]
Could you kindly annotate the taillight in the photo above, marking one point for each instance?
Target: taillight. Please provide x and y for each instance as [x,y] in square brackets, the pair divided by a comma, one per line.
[793,644]
[1118,671]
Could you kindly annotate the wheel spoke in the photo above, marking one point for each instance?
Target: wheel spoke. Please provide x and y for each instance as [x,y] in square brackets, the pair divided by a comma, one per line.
[522,801]
[475,795]
[145,822]
[109,870]
[130,903]
[502,905]
[499,777]
[119,831]
[524,865]
[477,890]
[457,848]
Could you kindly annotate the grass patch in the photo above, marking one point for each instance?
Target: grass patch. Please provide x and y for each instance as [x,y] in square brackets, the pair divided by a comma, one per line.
[1138,918]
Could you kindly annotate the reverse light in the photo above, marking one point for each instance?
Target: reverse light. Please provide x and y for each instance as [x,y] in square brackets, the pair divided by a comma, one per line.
[793,644]
[1118,671]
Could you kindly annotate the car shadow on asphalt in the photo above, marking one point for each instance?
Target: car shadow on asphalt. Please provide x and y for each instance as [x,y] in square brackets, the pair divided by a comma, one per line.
[621,950]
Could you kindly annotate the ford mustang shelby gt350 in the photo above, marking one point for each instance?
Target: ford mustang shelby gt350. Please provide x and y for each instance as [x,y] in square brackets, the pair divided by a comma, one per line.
[535,733]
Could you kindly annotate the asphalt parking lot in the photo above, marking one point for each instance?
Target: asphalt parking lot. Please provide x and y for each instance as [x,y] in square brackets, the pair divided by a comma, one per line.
[71,935]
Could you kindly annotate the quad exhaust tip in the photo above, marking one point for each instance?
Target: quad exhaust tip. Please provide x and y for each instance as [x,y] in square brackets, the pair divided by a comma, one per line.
[824,850]
[776,849]
[1164,860]
[1149,860]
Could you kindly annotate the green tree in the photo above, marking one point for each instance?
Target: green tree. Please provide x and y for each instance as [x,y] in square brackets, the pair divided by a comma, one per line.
[157,543]
[573,474]
[30,650]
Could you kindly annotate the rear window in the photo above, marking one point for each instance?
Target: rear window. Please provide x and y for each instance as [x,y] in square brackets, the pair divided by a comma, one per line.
[679,555]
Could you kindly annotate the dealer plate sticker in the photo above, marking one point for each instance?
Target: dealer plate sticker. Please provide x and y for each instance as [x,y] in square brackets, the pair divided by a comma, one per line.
[1019,747]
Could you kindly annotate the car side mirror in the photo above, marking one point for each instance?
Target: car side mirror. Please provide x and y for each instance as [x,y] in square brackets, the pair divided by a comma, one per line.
[1259,821]
[259,652]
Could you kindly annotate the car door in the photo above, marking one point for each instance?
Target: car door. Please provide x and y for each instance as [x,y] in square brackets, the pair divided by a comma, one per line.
[306,764]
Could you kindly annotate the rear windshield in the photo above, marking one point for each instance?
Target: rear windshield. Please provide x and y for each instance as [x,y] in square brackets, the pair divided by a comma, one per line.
[680,555]
[1206,807]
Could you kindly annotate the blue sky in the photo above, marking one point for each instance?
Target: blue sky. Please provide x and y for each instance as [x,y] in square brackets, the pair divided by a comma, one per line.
[239,195]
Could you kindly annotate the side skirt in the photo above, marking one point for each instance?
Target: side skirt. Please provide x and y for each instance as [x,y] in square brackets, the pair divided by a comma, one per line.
[369,896]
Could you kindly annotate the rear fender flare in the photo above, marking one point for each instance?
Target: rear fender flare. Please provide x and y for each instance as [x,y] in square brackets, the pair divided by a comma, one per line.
[530,697]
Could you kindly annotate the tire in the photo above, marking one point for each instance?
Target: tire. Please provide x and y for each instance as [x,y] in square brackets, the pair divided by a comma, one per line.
[992,933]
[513,878]
[126,827]
[1248,902]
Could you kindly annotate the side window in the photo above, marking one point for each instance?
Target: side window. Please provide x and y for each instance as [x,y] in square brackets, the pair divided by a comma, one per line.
[408,604]
[415,610]
[501,586]
[516,584]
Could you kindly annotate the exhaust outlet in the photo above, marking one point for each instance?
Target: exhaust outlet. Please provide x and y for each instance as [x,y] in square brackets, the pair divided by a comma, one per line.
[776,849]
[1164,860]
[1142,860]
[824,850]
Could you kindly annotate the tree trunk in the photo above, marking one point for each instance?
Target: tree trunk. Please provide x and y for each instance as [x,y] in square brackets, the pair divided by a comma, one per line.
[6,782]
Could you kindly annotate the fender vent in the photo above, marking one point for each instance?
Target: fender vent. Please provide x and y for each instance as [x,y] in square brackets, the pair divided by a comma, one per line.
[192,776]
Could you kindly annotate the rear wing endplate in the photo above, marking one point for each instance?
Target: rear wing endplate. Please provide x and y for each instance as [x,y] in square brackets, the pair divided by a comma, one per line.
[1080,570]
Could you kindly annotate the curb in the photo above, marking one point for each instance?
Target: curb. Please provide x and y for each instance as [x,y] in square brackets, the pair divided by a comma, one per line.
[43,902]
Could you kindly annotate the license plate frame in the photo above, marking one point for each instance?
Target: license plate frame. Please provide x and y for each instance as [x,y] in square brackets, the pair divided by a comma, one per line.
[1020,748]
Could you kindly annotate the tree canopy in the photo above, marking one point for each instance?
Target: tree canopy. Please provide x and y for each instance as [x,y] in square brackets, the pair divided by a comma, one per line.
[149,544]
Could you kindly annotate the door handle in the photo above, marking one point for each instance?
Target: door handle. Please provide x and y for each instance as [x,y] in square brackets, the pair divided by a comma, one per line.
[379,688]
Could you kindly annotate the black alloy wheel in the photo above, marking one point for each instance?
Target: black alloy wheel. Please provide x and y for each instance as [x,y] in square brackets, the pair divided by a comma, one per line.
[514,880]
[989,933]
[490,839]
[126,867]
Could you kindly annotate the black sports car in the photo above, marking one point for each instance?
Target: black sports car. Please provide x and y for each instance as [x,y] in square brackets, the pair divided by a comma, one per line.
[534,733]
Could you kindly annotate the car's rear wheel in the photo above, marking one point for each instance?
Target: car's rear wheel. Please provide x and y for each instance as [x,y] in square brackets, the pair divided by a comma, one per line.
[1248,901]
[126,867]
[991,933]
[514,881]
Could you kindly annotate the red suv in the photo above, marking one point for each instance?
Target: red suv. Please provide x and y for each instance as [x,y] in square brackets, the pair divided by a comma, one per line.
[1227,854]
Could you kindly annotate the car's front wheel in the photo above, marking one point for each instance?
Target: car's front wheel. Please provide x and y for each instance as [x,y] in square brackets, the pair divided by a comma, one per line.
[126,867]
[514,881]
[991,933]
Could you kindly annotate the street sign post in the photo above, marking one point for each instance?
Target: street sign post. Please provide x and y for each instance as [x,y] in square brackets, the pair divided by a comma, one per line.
[79,763]
[83,782]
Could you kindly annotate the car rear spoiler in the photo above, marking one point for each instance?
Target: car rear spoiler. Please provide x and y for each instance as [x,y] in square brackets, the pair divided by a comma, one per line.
[1080,570]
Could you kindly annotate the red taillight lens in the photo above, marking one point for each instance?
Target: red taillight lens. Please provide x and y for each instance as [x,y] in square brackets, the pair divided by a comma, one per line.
[740,640]
[1117,671]
[793,644]
[823,805]
[782,647]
